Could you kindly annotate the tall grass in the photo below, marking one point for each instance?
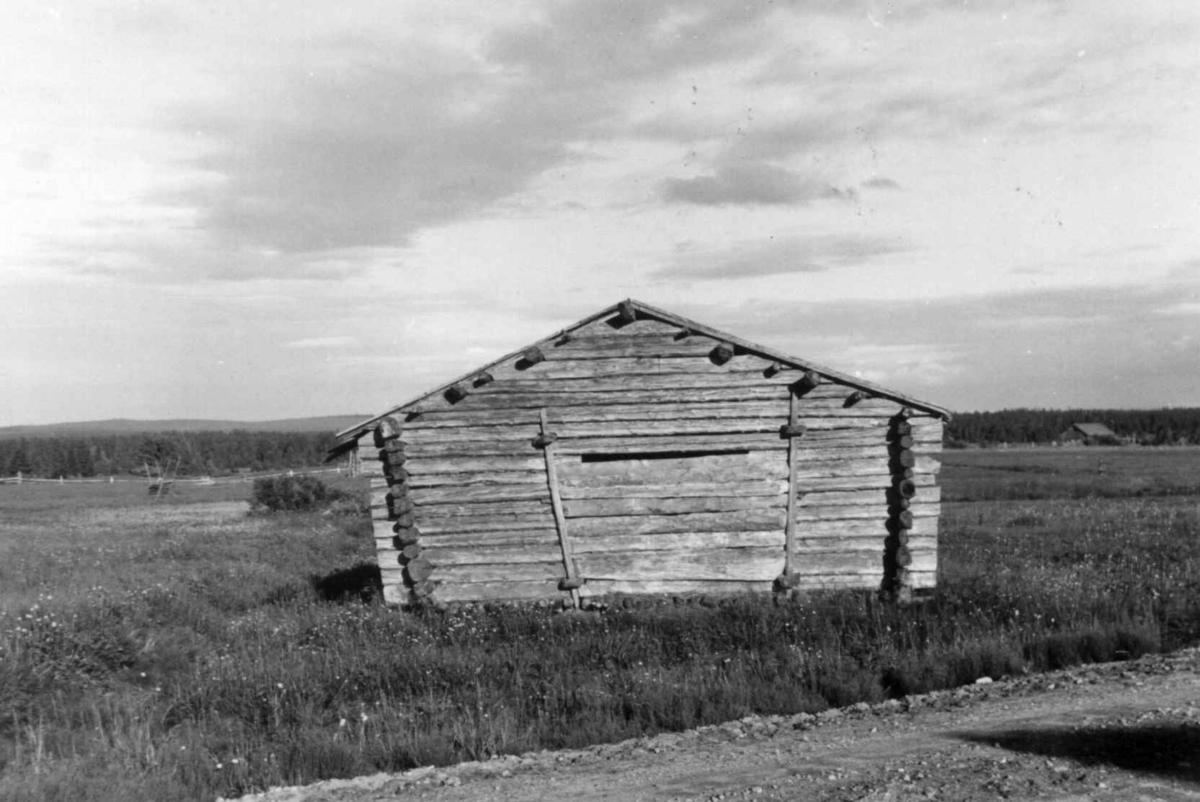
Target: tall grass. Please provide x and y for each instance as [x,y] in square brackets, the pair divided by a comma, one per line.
[193,650]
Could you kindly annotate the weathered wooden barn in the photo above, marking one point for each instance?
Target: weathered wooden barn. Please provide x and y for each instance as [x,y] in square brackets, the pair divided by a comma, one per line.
[637,452]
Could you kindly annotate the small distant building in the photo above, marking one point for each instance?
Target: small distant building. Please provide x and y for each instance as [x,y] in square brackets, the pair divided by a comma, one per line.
[1090,434]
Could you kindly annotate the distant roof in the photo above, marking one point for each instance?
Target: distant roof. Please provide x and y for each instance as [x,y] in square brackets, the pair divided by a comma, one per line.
[346,436]
[1094,430]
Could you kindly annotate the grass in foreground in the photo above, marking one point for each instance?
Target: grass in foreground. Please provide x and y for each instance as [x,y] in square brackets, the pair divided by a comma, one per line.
[186,650]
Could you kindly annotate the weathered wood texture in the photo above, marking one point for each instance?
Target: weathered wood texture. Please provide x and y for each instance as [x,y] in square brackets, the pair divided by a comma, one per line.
[667,470]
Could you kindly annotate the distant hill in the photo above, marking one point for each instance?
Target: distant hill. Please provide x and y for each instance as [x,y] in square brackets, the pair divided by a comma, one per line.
[117,426]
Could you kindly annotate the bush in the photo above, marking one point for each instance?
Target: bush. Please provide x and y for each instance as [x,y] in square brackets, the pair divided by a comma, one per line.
[294,494]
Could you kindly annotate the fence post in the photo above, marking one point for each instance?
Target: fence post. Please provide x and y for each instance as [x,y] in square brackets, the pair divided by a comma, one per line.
[18,477]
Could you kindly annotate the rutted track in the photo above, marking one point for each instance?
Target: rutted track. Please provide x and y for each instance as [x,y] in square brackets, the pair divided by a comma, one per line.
[1118,731]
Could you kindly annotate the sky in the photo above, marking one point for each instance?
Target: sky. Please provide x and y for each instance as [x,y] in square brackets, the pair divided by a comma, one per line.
[263,210]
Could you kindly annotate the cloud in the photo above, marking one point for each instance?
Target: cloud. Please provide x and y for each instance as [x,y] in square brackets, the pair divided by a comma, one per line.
[747,184]
[880,183]
[815,254]
[1079,346]
[336,341]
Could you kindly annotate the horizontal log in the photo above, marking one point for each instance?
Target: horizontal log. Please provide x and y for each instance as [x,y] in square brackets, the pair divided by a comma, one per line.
[638,394]
[440,512]
[666,410]
[733,487]
[859,498]
[662,346]
[533,538]
[681,541]
[479,478]
[856,563]
[484,523]
[443,556]
[604,507]
[845,464]
[826,545]
[525,590]
[588,366]
[757,465]
[739,521]
[849,512]
[421,467]
[685,442]
[744,565]
[551,570]
[609,375]
[872,528]
[764,437]
[486,493]
[597,588]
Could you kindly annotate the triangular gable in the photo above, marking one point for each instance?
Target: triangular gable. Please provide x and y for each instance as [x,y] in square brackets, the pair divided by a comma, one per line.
[347,437]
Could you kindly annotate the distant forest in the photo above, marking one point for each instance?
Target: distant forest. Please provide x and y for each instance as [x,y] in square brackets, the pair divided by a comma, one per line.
[1152,427]
[200,453]
[195,453]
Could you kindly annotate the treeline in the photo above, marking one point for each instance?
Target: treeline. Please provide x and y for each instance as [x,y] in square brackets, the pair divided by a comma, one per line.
[1155,427]
[190,453]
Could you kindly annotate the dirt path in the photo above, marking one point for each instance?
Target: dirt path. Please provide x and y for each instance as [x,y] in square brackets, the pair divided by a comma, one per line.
[1120,731]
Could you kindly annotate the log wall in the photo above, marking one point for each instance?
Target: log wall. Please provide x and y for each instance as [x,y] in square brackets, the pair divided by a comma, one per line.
[635,457]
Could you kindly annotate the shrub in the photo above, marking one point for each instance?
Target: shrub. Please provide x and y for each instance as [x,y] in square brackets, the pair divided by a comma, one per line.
[294,494]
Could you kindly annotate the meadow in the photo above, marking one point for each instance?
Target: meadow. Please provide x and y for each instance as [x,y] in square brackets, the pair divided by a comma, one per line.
[182,648]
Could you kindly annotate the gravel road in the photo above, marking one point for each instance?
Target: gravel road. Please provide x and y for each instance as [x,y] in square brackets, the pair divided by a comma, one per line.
[1118,731]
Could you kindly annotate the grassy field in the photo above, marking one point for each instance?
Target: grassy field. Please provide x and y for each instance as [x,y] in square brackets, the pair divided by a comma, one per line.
[181,648]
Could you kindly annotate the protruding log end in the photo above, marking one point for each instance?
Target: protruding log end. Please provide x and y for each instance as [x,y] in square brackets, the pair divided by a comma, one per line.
[410,552]
[904,519]
[902,428]
[808,382]
[387,429]
[773,369]
[398,501]
[406,536]
[683,334]
[903,557]
[571,583]
[403,519]
[424,589]
[531,356]
[721,354]
[626,313]
[483,378]
[905,413]
[455,393]
[906,488]
[854,398]
[904,457]
[544,439]
[903,441]
[394,474]
[418,570]
[789,430]
[787,581]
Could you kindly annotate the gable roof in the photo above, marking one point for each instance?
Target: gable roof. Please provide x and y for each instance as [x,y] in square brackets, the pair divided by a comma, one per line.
[643,310]
[1094,430]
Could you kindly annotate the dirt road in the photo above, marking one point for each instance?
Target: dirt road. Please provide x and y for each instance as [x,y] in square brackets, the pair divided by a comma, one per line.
[1120,731]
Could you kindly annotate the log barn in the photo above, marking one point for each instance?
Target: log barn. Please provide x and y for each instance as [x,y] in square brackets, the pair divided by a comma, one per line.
[638,452]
